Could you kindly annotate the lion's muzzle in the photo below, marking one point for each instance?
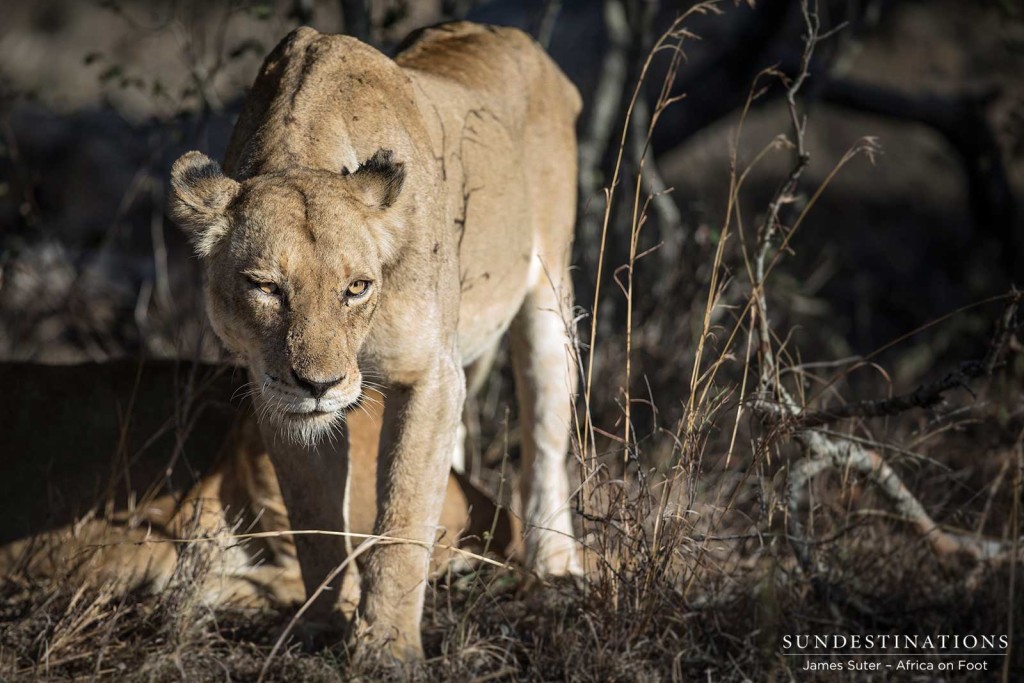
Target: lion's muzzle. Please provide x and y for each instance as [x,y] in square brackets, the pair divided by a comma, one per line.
[307,409]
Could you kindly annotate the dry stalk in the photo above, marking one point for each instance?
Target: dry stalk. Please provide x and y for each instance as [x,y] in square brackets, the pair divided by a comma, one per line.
[777,407]
[672,41]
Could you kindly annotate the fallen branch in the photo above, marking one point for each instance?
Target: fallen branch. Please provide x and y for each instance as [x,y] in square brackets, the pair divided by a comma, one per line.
[828,454]
[776,406]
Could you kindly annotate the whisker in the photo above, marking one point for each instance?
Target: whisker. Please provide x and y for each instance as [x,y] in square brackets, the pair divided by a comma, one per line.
[246,390]
[376,404]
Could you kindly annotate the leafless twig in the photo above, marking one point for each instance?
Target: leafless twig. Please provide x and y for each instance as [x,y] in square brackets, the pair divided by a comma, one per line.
[776,405]
[925,396]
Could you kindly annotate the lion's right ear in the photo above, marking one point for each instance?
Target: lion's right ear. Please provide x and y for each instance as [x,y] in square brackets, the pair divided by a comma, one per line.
[379,179]
[200,198]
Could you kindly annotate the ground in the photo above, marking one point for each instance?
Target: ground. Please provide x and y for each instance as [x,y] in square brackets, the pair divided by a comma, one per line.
[695,571]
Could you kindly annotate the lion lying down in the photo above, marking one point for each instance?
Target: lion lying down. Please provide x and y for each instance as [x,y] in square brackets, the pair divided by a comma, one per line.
[108,468]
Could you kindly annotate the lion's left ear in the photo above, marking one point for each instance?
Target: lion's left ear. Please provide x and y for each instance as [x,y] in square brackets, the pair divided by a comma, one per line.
[380,179]
[200,198]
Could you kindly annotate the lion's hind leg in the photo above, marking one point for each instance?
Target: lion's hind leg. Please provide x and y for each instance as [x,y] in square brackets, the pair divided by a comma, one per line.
[545,387]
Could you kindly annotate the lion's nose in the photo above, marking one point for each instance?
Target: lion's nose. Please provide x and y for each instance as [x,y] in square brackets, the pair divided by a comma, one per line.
[316,389]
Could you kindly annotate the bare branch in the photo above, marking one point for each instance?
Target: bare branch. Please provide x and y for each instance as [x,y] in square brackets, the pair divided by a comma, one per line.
[925,396]
[774,404]
[603,110]
[845,456]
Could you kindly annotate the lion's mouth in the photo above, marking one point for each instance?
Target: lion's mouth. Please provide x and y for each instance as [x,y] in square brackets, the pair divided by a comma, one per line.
[294,403]
[308,427]
[307,414]
[304,419]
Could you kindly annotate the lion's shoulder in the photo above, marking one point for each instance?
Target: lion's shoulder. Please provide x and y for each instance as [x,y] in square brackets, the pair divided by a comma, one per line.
[428,40]
[483,57]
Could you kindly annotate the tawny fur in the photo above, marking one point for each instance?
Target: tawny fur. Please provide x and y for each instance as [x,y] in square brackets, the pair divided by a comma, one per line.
[171,453]
[440,186]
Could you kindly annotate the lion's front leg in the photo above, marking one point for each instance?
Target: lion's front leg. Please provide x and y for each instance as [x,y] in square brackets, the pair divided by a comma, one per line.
[314,484]
[420,424]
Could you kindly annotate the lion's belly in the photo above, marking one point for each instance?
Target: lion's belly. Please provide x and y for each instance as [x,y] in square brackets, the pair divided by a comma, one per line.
[496,270]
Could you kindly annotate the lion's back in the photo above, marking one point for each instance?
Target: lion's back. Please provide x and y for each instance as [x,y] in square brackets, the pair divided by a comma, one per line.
[489,59]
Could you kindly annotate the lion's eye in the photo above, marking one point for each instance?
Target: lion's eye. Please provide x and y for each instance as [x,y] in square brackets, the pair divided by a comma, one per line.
[357,289]
[268,288]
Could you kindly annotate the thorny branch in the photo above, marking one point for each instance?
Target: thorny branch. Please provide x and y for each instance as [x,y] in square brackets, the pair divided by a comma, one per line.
[775,405]
[925,396]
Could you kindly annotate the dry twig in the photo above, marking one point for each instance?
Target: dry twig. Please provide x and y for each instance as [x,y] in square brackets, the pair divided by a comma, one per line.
[775,405]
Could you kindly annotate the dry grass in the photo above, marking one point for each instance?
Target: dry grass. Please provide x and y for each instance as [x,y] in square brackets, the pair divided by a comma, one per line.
[694,572]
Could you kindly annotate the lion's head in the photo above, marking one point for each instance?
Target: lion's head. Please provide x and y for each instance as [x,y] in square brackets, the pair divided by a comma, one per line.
[294,263]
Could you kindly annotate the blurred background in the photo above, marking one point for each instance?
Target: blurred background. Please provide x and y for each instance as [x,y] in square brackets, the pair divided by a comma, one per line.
[98,98]
[890,272]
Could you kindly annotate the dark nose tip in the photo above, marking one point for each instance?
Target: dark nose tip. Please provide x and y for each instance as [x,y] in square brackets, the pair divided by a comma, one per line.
[316,389]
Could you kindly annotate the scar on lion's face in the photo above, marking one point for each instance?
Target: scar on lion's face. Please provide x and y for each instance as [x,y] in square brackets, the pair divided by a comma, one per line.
[295,267]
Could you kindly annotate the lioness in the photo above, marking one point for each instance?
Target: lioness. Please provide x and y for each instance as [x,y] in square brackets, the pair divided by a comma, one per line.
[385,222]
[108,466]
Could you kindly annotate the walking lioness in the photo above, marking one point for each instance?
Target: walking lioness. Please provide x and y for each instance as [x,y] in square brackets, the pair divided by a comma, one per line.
[385,222]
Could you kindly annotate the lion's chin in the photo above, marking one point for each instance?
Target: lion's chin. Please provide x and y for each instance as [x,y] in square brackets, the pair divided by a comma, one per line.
[309,428]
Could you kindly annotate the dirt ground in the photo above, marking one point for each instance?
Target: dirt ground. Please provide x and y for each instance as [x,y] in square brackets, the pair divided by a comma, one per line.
[701,576]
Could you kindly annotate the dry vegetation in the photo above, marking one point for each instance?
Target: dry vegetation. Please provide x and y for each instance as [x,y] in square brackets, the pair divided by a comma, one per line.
[731,491]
